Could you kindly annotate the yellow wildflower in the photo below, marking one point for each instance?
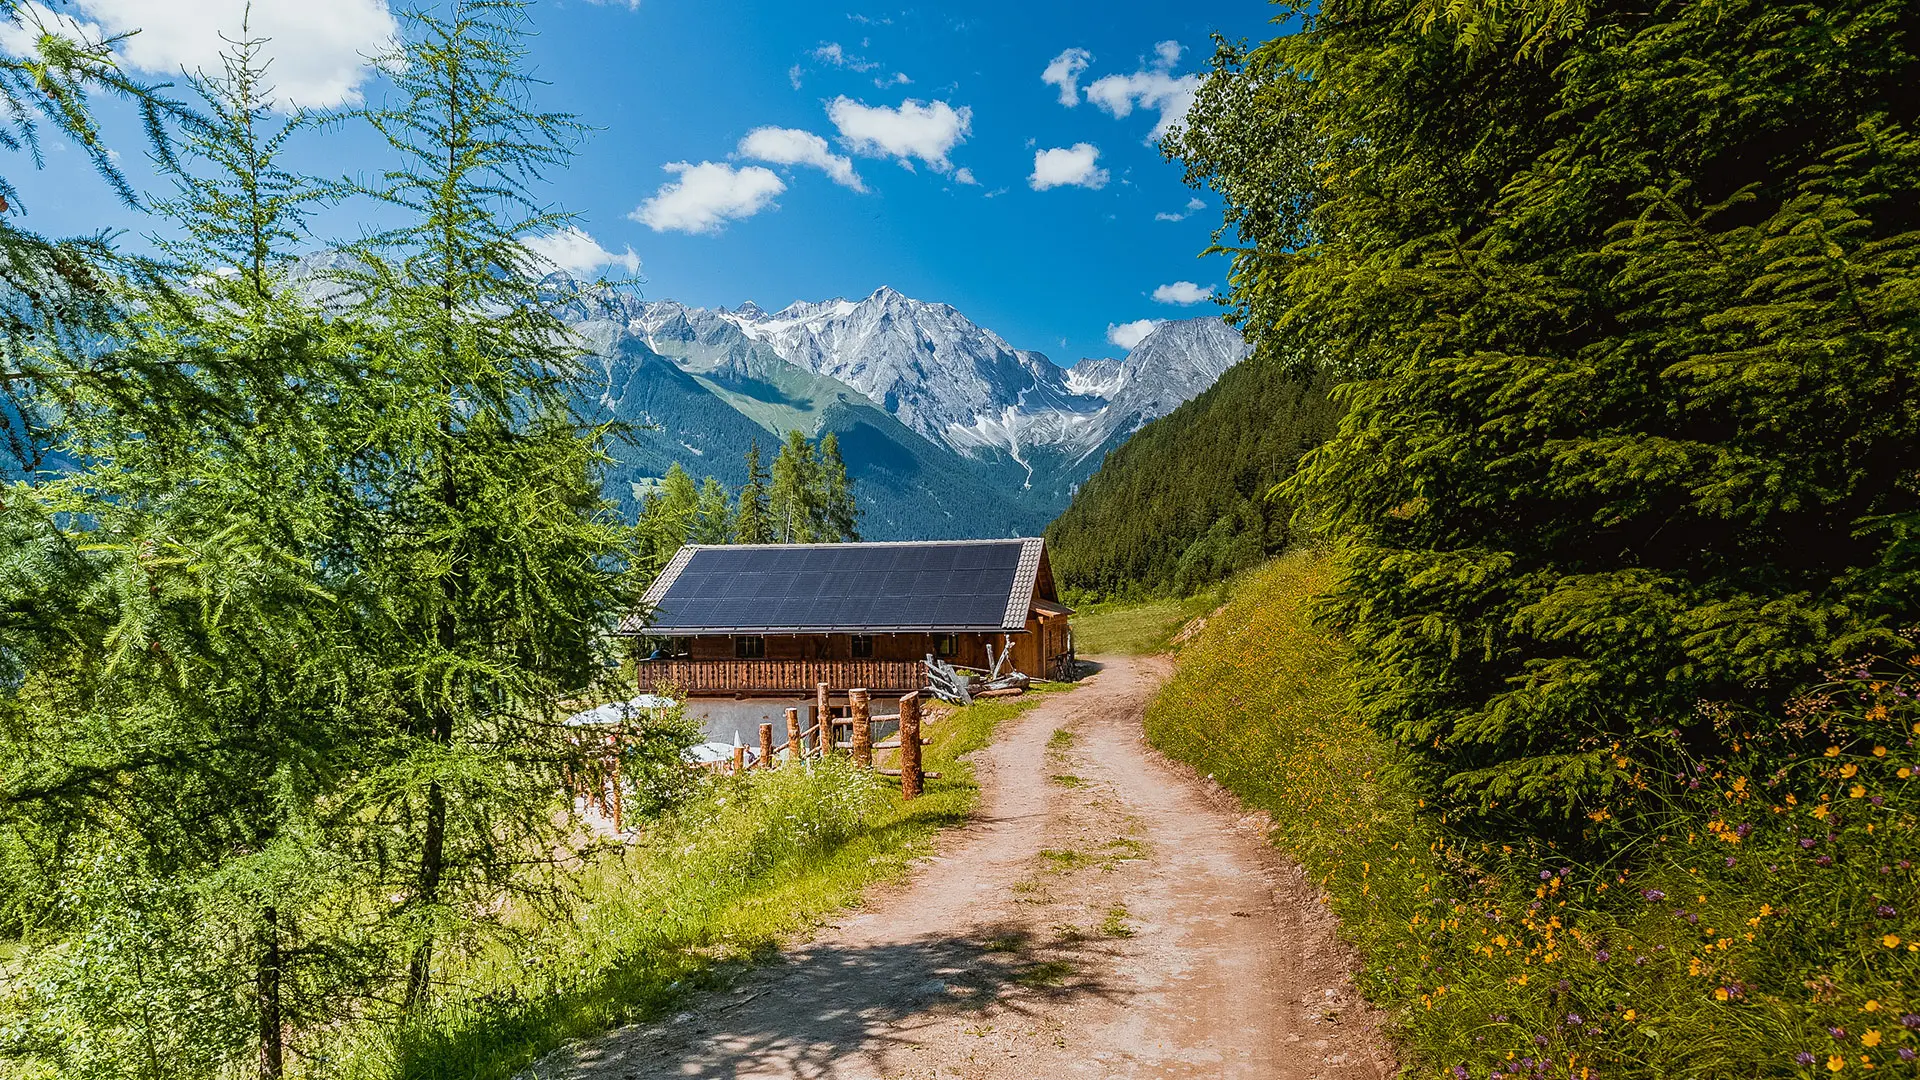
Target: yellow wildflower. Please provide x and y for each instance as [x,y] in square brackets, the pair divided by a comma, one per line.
[1891,941]
[1836,1063]
[1871,1038]
[1847,771]
[1856,791]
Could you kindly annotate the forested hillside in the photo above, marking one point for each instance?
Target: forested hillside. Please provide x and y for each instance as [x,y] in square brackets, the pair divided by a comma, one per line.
[1185,501]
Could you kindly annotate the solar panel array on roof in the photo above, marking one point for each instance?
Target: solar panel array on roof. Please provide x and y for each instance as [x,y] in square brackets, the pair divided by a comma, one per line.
[838,588]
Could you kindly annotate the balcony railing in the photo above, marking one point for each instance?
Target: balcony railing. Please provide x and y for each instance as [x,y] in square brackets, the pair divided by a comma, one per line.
[778,676]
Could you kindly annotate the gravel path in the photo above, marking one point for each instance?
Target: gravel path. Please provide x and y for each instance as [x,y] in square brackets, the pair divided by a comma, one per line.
[1107,914]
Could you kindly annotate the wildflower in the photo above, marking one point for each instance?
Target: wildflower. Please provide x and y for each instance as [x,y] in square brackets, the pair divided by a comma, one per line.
[1628,1015]
[1847,771]
[1879,751]
[1907,1054]
[1910,1021]
[1835,1063]
[1871,1038]
[1824,860]
[1720,994]
[1546,875]
[1807,842]
[1891,941]
[1803,1058]
[1870,1006]
[1654,894]
[1539,1040]
[1837,1032]
[1885,911]
[1460,1072]
[1603,956]
[1856,791]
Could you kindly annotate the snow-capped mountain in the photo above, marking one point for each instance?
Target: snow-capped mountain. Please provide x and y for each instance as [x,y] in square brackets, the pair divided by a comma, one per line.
[901,380]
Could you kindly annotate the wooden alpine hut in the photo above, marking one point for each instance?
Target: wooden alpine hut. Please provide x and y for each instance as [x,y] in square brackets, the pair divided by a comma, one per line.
[777,619]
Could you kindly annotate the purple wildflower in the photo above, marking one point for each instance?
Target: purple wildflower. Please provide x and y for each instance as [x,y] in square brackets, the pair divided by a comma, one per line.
[1807,842]
[1885,911]
[1803,1058]
[1910,1021]
[1539,1040]
[1603,956]
[1459,1072]
[1546,875]
[1907,1054]
[1574,1019]
[1654,894]
[1824,860]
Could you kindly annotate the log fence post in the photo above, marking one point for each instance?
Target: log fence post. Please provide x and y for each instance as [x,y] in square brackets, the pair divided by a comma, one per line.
[862,728]
[824,711]
[910,746]
[795,749]
[766,746]
[739,760]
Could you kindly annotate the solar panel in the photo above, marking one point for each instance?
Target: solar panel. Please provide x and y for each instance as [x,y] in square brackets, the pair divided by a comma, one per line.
[850,587]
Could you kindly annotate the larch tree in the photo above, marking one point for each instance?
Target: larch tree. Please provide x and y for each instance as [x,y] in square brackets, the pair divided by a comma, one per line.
[840,514]
[794,497]
[493,552]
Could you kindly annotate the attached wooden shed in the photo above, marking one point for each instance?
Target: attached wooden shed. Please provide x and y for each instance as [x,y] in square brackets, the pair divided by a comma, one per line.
[782,618]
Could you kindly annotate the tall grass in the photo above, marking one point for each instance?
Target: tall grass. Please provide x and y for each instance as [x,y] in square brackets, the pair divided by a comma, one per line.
[1750,921]
[712,889]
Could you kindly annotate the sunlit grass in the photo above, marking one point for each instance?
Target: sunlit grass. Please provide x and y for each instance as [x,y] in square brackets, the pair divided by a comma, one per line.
[753,861]
[1136,629]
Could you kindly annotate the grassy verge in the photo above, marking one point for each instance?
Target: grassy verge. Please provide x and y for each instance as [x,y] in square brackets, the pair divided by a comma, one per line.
[1749,924]
[1134,629]
[751,861]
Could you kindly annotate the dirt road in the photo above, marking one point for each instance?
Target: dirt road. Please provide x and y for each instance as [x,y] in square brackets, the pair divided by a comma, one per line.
[1106,915]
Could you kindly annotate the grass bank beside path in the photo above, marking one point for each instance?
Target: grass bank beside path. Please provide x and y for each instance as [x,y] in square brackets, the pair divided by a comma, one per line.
[1137,629]
[743,867]
[1747,924]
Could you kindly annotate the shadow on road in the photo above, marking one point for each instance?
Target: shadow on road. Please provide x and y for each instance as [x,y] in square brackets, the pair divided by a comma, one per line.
[826,1004]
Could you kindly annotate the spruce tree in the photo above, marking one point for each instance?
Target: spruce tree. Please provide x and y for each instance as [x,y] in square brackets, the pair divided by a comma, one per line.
[840,514]
[713,514]
[795,497]
[754,524]
[1627,330]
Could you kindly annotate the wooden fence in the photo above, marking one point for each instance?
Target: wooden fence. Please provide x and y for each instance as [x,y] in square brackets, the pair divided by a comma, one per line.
[820,735]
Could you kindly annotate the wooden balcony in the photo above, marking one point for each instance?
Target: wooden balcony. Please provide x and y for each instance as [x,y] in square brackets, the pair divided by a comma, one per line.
[705,678]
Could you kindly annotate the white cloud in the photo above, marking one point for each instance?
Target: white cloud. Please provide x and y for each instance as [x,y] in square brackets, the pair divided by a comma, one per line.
[707,196]
[319,51]
[964,176]
[1128,334]
[1153,87]
[1168,215]
[1072,166]
[791,146]
[1064,71]
[832,53]
[923,130]
[572,250]
[630,5]
[1181,292]
[793,76]
[898,78]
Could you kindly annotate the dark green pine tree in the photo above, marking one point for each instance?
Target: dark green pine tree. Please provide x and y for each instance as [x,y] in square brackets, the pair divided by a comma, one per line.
[1628,332]
[492,545]
[795,497]
[713,514]
[840,513]
[754,523]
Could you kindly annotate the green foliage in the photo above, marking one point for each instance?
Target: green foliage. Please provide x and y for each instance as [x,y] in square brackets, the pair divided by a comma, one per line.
[754,522]
[1184,503]
[1758,913]
[713,886]
[1627,329]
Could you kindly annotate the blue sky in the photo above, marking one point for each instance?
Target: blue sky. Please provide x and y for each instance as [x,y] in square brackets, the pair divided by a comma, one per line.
[775,152]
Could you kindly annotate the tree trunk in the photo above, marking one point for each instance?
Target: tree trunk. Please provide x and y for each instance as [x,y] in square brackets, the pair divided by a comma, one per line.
[266,994]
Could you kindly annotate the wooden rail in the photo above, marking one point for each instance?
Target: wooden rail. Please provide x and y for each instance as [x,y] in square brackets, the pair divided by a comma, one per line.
[707,677]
